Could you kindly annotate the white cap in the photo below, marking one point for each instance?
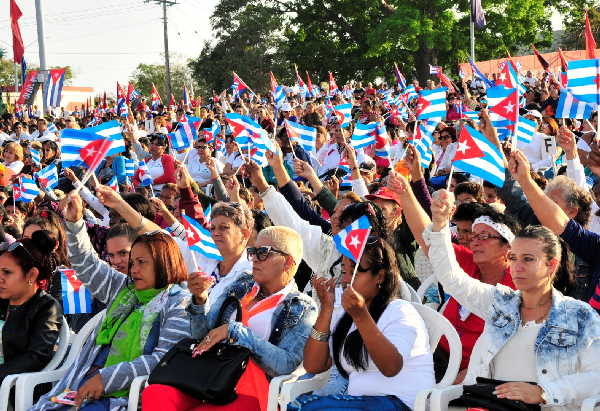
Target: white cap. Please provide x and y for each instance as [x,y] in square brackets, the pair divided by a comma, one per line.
[534,113]
[286,107]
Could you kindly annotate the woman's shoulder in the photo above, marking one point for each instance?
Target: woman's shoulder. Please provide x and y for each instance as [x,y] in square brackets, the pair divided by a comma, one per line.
[398,309]
[178,297]
[44,303]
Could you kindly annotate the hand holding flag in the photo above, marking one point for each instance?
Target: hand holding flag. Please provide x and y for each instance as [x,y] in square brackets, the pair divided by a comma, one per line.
[351,241]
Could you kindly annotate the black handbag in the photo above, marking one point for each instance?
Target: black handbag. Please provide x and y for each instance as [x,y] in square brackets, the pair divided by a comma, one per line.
[211,376]
[481,395]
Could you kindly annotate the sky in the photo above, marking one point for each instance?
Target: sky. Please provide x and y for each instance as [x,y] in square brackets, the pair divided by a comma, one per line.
[104,40]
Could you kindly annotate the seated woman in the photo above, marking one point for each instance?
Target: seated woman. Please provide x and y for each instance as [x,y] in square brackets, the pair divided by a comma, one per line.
[277,319]
[30,319]
[145,316]
[544,344]
[379,343]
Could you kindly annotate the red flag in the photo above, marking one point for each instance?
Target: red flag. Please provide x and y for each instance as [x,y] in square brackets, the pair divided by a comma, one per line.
[590,43]
[467,148]
[309,82]
[18,47]
[273,81]
[172,101]
[540,58]
[564,63]
[333,87]
[94,152]
[130,90]
[446,82]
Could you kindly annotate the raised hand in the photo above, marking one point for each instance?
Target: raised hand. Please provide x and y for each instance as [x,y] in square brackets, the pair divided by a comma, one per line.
[442,208]
[397,183]
[72,204]
[325,291]
[199,283]
[519,166]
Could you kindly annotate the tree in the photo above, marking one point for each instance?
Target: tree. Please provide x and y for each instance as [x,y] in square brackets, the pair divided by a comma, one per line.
[7,73]
[147,74]
[573,37]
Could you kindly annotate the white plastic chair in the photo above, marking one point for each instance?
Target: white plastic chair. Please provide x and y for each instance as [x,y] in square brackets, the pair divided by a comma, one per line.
[425,284]
[437,326]
[414,297]
[27,382]
[441,397]
[63,345]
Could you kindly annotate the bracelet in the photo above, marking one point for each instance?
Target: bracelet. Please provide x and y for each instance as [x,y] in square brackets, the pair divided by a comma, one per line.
[319,335]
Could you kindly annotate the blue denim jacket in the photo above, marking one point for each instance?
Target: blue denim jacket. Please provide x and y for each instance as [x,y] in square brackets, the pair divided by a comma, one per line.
[567,348]
[292,322]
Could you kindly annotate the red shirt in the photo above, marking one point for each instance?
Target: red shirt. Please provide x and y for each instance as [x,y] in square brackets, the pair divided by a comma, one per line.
[471,328]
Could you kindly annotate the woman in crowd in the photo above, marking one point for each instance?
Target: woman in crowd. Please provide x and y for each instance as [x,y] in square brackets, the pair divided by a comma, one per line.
[30,319]
[444,150]
[51,154]
[145,317]
[198,163]
[161,165]
[234,159]
[378,342]
[544,344]
[277,319]
[13,157]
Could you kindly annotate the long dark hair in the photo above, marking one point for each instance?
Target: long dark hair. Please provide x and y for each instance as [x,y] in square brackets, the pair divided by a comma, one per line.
[380,256]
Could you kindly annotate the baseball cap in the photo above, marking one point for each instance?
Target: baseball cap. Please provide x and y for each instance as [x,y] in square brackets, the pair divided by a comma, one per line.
[384,193]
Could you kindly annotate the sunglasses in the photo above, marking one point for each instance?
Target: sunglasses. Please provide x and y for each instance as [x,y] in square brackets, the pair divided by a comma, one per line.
[201,147]
[13,246]
[262,253]
[444,136]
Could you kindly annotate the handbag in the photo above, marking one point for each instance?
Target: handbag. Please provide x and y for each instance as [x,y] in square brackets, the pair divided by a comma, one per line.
[211,376]
[481,395]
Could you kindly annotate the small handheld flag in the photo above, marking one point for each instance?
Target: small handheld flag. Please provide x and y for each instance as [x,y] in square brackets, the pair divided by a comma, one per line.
[476,155]
[571,107]
[432,104]
[113,183]
[351,241]
[305,136]
[48,177]
[144,175]
[155,98]
[199,239]
[26,190]
[364,135]
[35,156]
[76,298]
[343,112]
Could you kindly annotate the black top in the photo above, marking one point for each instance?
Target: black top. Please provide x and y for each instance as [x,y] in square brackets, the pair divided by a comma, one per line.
[30,333]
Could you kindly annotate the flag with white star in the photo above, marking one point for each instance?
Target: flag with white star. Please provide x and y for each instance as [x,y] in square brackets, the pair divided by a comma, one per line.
[477,155]
[199,239]
[351,240]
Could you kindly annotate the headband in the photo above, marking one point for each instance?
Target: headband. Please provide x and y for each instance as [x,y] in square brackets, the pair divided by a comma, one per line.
[502,229]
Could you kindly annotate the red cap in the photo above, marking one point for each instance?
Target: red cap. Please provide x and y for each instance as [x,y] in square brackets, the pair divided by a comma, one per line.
[384,193]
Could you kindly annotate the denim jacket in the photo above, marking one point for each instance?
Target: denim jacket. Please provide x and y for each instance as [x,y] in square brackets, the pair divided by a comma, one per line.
[567,348]
[292,321]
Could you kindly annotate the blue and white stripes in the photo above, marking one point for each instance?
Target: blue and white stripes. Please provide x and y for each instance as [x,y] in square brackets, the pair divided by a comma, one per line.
[432,104]
[304,135]
[526,130]
[571,107]
[583,78]
[364,135]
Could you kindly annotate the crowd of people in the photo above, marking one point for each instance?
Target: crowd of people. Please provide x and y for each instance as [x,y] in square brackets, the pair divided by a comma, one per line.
[516,267]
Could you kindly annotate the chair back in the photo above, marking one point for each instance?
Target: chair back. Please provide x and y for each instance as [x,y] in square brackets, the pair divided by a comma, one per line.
[63,346]
[81,338]
[438,326]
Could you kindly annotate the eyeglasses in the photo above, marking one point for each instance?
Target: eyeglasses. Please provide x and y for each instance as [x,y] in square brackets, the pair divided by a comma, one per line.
[484,236]
[201,147]
[13,246]
[262,253]
[444,136]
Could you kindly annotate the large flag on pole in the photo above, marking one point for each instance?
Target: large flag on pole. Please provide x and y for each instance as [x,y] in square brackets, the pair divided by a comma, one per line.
[17,40]
[477,14]
[53,87]
[582,80]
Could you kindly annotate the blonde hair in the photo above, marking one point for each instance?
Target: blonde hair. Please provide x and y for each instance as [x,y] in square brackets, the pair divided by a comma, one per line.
[284,239]
[16,148]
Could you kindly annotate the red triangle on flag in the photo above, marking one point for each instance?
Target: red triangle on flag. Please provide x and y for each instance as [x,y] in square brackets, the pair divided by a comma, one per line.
[354,241]
[95,152]
[503,78]
[467,147]
[73,280]
[509,107]
[422,105]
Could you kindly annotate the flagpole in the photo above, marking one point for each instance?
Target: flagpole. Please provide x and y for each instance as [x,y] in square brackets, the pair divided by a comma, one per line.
[191,251]
[472,34]
[450,177]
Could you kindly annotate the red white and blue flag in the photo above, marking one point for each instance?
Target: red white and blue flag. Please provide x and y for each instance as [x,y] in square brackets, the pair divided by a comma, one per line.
[364,135]
[343,113]
[432,104]
[571,107]
[53,87]
[238,85]
[48,177]
[382,145]
[132,93]
[199,239]
[305,136]
[155,98]
[351,241]
[144,174]
[435,69]
[333,87]
[184,136]
[121,101]
[113,183]
[26,190]
[399,77]
[475,154]
[583,79]
[187,100]
[76,298]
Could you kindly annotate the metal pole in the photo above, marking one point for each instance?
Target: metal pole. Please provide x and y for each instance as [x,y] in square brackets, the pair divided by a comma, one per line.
[167,65]
[472,27]
[16,78]
[39,16]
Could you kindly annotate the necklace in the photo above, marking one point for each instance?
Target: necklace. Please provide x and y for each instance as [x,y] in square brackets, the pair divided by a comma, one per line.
[538,305]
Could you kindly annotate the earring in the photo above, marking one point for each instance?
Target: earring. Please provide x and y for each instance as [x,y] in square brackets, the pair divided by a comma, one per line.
[378,285]
[30,283]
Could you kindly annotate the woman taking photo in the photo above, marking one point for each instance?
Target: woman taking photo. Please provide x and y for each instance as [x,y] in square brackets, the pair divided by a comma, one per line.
[546,345]
[30,319]
[378,343]
[145,316]
[276,322]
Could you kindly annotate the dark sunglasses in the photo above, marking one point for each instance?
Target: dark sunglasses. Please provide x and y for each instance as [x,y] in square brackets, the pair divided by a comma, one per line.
[13,246]
[444,136]
[262,253]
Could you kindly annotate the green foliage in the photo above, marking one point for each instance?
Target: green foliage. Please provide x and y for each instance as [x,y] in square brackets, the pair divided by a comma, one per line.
[7,72]
[147,74]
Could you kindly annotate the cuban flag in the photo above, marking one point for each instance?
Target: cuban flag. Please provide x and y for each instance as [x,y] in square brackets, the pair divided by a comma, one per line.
[113,183]
[508,105]
[333,87]
[132,93]
[48,177]
[346,183]
[207,212]
[526,130]
[343,165]
[186,97]
[508,76]
[155,98]
[304,135]
[582,80]
[351,241]
[121,101]
[382,145]
[72,143]
[475,154]
[26,191]
[477,73]
[423,140]
[238,85]
[472,115]
[432,104]
[255,132]
[343,112]
[495,96]
[76,298]
[199,239]
[52,128]
[144,175]
[129,167]
[279,96]
[113,131]
[399,77]
[364,135]
[255,151]
[184,135]
[53,87]
[35,156]
[213,132]
[571,107]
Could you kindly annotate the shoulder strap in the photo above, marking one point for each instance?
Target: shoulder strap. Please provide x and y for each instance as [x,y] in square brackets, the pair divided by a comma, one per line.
[230,300]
